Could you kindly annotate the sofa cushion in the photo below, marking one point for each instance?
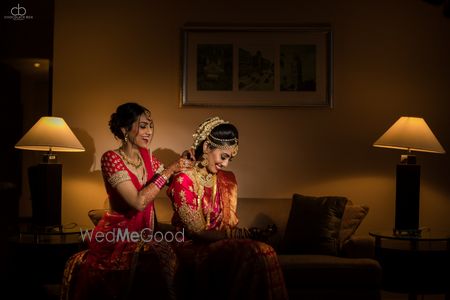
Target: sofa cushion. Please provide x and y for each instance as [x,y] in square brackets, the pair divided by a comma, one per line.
[354,214]
[313,225]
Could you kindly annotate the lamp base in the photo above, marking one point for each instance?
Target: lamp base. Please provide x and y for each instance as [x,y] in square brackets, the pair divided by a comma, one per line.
[407,198]
[45,189]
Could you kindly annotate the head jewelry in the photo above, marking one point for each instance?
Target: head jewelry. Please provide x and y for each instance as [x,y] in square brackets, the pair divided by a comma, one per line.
[204,133]
[205,129]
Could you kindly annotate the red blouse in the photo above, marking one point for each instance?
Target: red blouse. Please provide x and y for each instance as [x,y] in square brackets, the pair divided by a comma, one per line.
[115,252]
[202,204]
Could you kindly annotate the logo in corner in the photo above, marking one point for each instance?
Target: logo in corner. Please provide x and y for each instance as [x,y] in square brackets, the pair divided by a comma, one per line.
[18,13]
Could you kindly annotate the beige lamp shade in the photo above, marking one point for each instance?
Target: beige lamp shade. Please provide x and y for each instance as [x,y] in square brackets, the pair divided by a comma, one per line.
[412,134]
[50,134]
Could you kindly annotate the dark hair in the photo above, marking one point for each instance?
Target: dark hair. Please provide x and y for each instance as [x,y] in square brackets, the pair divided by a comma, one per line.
[124,117]
[225,131]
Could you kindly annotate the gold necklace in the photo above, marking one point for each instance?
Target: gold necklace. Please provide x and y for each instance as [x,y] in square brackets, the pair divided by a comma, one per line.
[128,160]
[213,201]
[203,181]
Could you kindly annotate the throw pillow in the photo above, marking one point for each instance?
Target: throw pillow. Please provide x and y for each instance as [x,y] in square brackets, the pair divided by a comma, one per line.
[354,214]
[313,225]
[96,214]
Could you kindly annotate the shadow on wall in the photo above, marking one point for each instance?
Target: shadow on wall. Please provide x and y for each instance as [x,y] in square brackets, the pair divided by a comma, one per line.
[166,156]
[81,164]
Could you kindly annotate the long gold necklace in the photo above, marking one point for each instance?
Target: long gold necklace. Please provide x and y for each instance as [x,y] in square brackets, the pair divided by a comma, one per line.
[203,181]
[129,161]
[213,201]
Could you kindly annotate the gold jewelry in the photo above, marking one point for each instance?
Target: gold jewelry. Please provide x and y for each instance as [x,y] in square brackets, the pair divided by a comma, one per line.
[204,180]
[212,202]
[204,161]
[230,144]
[125,139]
[129,161]
[205,129]
[229,141]
[209,180]
[165,177]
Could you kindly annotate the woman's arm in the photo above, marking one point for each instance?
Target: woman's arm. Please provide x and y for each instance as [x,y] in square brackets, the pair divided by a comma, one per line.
[184,200]
[140,199]
[112,166]
[137,199]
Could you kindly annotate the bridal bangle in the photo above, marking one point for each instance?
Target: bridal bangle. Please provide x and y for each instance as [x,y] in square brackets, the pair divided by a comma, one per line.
[159,180]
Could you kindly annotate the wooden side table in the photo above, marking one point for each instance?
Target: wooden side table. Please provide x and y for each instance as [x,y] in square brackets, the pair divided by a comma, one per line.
[418,264]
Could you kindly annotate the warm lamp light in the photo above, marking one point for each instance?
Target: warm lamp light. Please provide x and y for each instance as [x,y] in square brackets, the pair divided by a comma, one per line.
[50,134]
[411,134]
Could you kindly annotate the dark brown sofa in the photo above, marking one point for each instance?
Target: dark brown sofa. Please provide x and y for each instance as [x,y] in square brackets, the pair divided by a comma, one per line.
[327,260]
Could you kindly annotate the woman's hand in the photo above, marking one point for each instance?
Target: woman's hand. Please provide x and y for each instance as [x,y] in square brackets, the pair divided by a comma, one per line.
[189,154]
[183,163]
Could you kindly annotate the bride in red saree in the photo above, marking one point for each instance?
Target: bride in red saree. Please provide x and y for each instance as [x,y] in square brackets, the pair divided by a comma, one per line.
[221,260]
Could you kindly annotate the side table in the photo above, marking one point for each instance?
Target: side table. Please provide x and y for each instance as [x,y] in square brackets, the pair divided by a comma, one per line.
[414,264]
[38,257]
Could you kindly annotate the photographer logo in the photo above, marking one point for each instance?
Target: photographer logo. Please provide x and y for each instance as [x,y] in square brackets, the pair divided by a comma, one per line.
[18,13]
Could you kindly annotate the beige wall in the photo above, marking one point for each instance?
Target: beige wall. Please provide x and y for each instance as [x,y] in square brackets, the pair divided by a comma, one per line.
[390,59]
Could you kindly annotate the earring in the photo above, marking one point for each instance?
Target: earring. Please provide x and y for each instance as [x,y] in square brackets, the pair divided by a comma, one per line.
[204,161]
[126,138]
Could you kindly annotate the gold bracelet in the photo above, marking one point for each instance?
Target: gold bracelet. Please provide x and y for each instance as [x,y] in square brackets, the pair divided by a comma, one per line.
[164,176]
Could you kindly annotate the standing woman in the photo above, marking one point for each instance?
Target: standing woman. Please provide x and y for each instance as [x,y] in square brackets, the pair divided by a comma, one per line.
[116,265]
[221,261]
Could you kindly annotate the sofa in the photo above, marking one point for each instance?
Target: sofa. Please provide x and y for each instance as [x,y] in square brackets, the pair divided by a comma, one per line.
[319,251]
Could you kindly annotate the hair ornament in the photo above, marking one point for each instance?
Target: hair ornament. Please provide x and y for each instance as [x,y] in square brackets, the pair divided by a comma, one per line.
[231,144]
[205,129]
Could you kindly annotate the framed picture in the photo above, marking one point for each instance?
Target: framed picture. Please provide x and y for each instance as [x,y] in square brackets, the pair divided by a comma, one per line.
[257,66]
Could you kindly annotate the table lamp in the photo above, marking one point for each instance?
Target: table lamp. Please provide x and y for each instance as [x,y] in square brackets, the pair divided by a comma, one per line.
[411,134]
[49,134]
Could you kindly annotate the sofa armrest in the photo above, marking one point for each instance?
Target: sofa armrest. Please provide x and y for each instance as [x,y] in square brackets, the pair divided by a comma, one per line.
[359,247]
[96,215]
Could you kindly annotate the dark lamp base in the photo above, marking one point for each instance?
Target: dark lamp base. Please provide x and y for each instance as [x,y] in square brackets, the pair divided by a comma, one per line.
[45,189]
[407,199]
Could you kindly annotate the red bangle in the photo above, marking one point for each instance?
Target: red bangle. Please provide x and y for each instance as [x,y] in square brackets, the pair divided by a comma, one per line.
[159,181]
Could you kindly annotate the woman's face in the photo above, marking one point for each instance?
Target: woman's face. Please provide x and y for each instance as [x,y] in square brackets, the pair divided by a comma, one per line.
[141,132]
[218,159]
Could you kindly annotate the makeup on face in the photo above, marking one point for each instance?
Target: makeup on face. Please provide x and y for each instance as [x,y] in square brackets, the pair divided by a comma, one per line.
[142,131]
[218,159]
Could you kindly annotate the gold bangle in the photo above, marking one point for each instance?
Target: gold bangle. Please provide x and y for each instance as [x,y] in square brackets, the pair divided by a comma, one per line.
[164,176]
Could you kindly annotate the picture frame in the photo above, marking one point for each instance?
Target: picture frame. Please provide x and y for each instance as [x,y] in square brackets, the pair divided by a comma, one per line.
[257,66]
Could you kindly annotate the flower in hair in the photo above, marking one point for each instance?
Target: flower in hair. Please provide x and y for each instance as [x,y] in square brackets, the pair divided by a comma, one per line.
[205,129]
